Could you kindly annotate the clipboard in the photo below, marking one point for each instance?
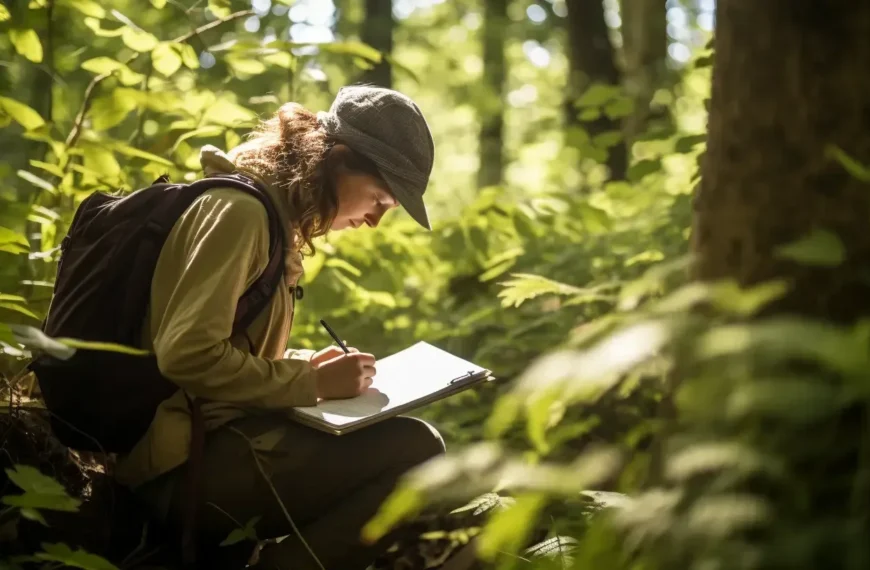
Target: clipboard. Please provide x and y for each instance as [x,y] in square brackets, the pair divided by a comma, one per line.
[408,380]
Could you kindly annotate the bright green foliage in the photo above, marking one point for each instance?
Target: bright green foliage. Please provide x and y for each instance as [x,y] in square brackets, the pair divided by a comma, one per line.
[546,265]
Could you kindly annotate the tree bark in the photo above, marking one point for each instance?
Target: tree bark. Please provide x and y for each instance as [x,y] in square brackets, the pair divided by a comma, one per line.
[591,59]
[495,22]
[645,50]
[790,79]
[377,31]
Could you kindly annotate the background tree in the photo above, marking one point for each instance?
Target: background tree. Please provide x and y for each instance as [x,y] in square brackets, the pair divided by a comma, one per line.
[495,23]
[377,32]
[592,60]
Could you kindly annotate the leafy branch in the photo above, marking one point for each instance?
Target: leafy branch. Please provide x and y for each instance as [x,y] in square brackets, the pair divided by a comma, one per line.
[76,130]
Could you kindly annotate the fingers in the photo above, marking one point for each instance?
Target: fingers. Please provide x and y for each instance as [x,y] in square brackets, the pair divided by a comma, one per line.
[366,383]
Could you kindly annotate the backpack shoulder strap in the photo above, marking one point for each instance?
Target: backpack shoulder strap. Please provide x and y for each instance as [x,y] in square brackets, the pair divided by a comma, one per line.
[254,300]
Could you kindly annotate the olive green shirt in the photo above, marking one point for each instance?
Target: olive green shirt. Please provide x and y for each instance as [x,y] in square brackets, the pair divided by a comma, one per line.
[215,251]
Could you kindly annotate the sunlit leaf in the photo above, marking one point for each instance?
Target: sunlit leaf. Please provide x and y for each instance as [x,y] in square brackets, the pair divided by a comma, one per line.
[87,7]
[95,25]
[34,339]
[227,113]
[166,59]
[524,287]
[18,309]
[607,139]
[283,59]
[159,4]
[508,529]
[36,181]
[137,153]
[725,514]
[4,13]
[401,503]
[52,169]
[343,266]
[246,66]
[706,458]
[188,55]
[819,248]
[26,43]
[111,109]
[21,113]
[138,40]
[105,65]
[9,236]
[220,8]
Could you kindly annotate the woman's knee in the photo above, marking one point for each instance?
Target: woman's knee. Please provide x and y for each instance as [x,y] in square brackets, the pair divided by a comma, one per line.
[420,440]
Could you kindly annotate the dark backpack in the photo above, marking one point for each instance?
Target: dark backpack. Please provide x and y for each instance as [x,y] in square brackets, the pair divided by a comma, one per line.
[105,401]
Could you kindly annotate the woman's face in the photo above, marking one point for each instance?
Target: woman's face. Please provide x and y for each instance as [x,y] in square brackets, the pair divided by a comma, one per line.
[363,199]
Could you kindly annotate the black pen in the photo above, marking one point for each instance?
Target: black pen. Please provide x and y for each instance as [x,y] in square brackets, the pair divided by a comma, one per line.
[334,336]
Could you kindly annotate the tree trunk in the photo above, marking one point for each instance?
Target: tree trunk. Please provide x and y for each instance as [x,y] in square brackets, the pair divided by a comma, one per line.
[377,31]
[495,22]
[591,59]
[790,79]
[645,50]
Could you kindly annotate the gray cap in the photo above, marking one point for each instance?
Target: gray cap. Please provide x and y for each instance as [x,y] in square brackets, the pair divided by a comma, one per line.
[389,129]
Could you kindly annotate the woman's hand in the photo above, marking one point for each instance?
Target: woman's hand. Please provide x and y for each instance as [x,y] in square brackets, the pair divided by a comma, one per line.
[344,375]
[328,353]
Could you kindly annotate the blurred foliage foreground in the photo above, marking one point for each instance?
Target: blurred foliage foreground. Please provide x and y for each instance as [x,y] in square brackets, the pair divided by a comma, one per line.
[698,416]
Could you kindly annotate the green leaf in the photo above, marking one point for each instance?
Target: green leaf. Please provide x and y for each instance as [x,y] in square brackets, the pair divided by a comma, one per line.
[227,113]
[4,13]
[358,49]
[607,139]
[589,114]
[87,7]
[36,181]
[21,113]
[104,346]
[281,59]
[76,558]
[524,287]
[106,65]
[188,55]
[136,153]
[94,25]
[240,534]
[40,491]
[245,65]
[820,248]
[687,143]
[508,529]
[33,515]
[344,266]
[642,168]
[111,109]
[14,298]
[138,40]
[854,167]
[220,8]
[101,160]
[18,309]
[26,43]
[618,108]
[52,169]
[159,4]
[166,59]
[598,95]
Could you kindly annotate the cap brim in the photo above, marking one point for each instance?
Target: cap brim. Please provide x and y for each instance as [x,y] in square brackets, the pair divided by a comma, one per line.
[412,203]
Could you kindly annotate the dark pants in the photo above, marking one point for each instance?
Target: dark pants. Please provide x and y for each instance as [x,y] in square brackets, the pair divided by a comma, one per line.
[330,485]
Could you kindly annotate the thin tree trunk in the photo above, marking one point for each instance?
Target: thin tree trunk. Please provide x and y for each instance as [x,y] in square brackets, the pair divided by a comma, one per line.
[790,79]
[495,23]
[377,31]
[591,59]
[645,50]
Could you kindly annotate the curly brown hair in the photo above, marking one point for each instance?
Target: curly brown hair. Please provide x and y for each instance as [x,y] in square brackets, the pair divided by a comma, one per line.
[294,151]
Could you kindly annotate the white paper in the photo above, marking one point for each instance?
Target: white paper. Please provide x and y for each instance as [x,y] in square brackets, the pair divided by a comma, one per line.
[404,377]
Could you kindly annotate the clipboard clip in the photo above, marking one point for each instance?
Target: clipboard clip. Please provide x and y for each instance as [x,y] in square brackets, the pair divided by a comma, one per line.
[465,376]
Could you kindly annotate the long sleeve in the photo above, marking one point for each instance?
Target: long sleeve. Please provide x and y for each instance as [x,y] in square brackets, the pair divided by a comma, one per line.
[216,250]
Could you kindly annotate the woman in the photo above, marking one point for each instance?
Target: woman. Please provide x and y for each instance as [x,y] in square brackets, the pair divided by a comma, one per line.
[372,152]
